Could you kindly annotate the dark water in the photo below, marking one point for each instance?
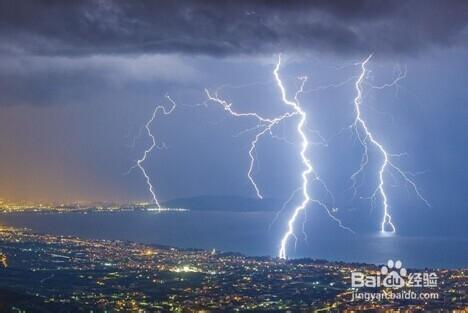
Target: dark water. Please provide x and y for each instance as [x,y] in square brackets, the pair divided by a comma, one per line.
[249,233]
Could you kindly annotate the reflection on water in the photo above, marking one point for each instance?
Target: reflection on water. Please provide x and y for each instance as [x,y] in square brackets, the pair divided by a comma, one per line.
[248,233]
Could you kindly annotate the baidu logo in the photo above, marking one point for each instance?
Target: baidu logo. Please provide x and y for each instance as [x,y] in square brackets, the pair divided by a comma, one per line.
[393,275]
[388,282]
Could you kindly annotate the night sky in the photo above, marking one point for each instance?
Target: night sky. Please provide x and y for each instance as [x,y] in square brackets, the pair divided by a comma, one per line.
[78,80]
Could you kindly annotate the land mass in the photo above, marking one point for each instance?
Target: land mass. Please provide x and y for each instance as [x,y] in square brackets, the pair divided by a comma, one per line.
[48,273]
[225,203]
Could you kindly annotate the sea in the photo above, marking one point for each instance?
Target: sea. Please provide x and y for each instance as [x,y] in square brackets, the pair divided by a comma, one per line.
[249,233]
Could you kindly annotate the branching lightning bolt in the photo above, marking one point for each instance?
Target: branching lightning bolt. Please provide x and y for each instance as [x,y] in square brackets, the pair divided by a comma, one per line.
[304,145]
[148,150]
[265,126]
[366,138]
[301,130]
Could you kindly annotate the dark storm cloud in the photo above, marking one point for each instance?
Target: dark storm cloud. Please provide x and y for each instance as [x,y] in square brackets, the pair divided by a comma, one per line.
[229,27]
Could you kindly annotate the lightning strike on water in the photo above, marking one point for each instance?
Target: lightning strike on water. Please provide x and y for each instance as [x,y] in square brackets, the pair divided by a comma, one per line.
[368,137]
[139,162]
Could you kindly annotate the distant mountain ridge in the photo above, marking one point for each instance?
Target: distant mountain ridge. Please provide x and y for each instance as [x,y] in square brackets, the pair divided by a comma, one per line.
[225,203]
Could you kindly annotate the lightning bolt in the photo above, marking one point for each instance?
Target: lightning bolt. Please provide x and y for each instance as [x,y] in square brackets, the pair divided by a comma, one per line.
[308,168]
[365,138]
[304,145]
[264,126]
[148,150]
